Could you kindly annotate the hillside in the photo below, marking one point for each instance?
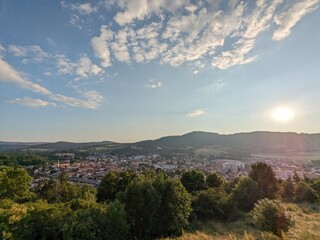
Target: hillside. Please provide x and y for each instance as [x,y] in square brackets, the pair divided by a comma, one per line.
[254,142]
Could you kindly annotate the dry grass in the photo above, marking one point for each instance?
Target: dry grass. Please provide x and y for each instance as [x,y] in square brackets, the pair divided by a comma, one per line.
[307,227]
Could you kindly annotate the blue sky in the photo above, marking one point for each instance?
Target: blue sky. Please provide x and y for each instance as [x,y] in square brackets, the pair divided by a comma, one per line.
[129,70]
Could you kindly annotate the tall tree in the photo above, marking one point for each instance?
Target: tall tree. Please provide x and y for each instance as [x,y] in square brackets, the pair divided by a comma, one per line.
[174,209]
[263,174]
[141,204]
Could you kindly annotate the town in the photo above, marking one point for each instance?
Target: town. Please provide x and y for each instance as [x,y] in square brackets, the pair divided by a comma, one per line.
[92,168]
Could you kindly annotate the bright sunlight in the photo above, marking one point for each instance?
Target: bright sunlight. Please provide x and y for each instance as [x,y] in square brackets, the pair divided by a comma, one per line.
[283,114]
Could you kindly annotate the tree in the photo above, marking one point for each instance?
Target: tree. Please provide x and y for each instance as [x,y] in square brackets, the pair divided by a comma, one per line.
[305,193]
[62,191]
[44,221]
[193,180]
[246,193]
[263,174]
[141,204]
[212,204]
[270,215]
[214,180]
[116,225]
[15,184]
[287,189]
[174,209]
[113,183]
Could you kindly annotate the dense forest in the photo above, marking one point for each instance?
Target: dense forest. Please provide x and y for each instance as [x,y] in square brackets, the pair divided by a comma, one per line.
[146,205]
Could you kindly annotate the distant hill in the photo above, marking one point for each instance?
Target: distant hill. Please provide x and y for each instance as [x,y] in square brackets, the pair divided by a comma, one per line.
[254,142]
[16,145]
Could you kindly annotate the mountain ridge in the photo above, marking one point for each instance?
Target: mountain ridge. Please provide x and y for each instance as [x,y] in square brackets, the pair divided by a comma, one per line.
[261,141]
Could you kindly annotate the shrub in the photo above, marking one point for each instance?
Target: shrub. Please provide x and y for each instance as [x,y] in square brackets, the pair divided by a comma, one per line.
[246,193]
[271,215]
[305,193]
[211,204]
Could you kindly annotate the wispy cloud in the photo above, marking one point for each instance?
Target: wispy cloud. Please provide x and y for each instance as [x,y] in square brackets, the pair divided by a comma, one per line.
[288,19]
[30,53]
[152,83]
[84,9]
[216,86]
[31,102]
[8,74]
[195,113]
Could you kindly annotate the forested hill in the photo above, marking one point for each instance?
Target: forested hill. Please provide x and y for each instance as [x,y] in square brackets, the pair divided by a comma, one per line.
[253,141]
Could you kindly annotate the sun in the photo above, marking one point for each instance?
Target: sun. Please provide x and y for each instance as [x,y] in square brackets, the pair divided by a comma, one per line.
[283,114]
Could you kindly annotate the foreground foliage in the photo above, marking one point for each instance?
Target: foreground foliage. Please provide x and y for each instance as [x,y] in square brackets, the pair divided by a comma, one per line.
[151,205]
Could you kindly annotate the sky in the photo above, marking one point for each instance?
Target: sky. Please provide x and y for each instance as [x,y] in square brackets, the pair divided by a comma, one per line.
[129,70]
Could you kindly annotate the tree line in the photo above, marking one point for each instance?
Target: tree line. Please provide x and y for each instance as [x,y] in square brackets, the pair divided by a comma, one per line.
[146,205]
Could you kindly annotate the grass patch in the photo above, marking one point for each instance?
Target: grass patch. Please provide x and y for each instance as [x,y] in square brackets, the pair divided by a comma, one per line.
[307,227]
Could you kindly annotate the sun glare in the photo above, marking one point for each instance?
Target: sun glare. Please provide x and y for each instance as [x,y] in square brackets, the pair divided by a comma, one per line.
[283,114]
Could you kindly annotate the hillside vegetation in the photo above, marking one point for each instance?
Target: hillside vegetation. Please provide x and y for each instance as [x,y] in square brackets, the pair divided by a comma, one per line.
[154,205]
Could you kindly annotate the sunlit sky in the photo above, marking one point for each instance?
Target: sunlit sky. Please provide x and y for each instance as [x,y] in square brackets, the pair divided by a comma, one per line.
[127,70]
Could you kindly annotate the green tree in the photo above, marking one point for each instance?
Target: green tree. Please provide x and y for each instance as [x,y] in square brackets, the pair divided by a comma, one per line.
[212,204]
[174,209]
[263,174]
[214,180]
[15,184]
[44,221]
[305,193]
[141,204]
[116,224]
[193,180]
[270,215]
[287,189]
[246,193]
[113,183]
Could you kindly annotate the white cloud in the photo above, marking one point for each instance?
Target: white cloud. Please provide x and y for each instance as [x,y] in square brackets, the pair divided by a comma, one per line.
[83,67]
[33,54]
[153,84]
[92,99]
[195,113]
[31,102]
[178,32]
[133,10]
[237,56]
[10,75]
[84,9]
[101,46]
[288,19]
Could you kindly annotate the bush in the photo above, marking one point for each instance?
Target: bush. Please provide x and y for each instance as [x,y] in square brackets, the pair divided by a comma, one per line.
[305,193]
[270,215]
[211,204]
[246,194]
